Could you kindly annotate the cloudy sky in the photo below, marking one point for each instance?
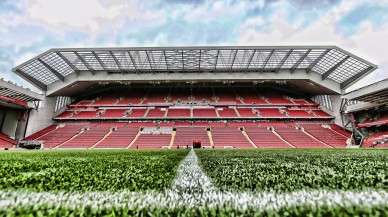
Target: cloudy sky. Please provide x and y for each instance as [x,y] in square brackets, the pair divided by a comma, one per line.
[30,27]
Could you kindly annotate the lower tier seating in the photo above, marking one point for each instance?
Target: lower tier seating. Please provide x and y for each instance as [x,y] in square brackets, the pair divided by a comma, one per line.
[185,136]
[299,139]
[6,142]
[230,136]
[119,138]
[377,140]
[325,135]
[152,141]
[264,138]
[156,135]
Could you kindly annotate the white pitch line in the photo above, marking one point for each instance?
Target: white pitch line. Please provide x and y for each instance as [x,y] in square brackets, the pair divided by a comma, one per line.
[193,189]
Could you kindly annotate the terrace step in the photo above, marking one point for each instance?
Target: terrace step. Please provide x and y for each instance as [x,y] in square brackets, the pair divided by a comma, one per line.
[134,140]
[249,139]
[146,113]
[209,134]
[102,139]
[218,114]
[238,113]
[172,139]
[280,137]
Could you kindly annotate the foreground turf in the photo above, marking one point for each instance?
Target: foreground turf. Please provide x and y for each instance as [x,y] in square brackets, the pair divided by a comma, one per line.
[89,170]
[296,169]
[191,192]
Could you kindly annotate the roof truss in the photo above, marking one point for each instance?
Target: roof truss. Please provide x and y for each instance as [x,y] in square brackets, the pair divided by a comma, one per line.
[329,61]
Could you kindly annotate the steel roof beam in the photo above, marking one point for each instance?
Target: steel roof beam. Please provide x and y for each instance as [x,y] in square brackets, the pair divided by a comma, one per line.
[71,65]
[149,61]
[295,66]
[99,60]
[333,68]
[283,60]
[183,62]
[133,61]
[267,59]
[116,61]
[52,70]
[33,80]
[315,62]
[355,77]
[250,59]
[215,65]
[234,58]
[165,59]
[91,70]
[199,61]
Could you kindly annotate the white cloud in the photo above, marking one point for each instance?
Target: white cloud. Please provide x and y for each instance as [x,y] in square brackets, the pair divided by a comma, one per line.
[368,43]
[91,16]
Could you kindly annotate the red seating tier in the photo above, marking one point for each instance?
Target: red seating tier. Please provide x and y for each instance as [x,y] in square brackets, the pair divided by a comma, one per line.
[204,113]
[264,138]
[230,136]
[185,136]
[299,139]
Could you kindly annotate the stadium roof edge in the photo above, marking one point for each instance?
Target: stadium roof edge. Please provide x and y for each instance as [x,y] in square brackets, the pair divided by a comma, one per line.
[13,91]
[332,62]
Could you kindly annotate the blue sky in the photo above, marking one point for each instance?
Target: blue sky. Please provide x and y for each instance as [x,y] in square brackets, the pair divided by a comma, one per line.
[30,27]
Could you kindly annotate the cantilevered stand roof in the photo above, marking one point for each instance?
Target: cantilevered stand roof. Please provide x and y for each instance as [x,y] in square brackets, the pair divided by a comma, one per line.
[9,89]
[330,62]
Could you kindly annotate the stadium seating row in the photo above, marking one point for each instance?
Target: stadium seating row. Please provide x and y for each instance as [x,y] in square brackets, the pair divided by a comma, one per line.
[190,113]
[250,135]
[239,96]
[6,142]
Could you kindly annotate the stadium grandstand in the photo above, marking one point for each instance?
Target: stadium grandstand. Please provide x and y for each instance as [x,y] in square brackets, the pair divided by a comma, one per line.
[16,106]
[217,97]
[368,111]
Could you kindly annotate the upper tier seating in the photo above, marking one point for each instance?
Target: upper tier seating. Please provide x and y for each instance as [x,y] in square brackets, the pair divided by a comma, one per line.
[106,100]
[376,122]
[136,113]
[273,124]
[142,124]
[325,135]
[85,114]
[185,136]
[264,138]
[277,99]
[113,113]
[157,112]
[241,124]
[270,112]
[299,139]
[246,112]
[229,136]
[204,113]
[299,113]
[178,113]
[208,124]
[227,112]
[320,113]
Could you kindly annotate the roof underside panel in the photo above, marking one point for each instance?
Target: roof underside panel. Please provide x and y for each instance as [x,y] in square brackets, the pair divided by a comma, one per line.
[331,62]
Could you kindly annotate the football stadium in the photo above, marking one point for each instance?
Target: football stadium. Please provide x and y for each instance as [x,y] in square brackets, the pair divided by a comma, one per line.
[194,131]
